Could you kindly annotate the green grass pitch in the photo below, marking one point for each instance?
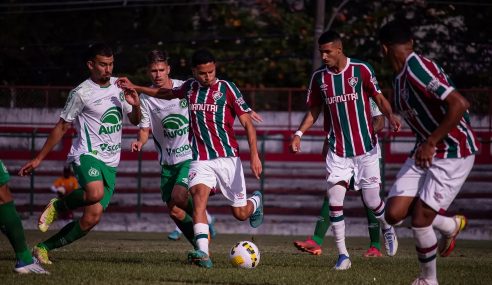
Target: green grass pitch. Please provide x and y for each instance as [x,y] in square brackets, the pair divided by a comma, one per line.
[149,258]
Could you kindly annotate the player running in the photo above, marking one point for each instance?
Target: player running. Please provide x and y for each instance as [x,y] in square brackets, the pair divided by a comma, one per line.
[96,108]
[444,151]
[213,105]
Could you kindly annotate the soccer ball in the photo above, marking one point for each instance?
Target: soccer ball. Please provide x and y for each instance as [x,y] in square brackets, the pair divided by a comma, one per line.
[244,254]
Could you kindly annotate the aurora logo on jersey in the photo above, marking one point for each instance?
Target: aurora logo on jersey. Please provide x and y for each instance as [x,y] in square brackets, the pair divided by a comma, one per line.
[111,121]
[175,125]
[342,98]
[352,81]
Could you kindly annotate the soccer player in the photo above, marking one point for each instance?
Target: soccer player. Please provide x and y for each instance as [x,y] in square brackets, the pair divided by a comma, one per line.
[169,122]
[345,85]
[444,151]
[96,108]
[11,225]
[313,244]
[213,105]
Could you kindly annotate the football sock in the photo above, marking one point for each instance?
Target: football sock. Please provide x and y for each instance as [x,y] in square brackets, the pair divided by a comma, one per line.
[323,223]
[373,227]
[201,236]
[178,229]
[68,234]
[73,200]
[426,246]
[445,225]
[11,225]
[255,200]
[186,227]
[375,203]
[336,195]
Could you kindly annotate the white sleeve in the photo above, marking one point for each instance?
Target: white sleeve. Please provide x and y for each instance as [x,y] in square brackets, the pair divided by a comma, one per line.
[144,108]
[374,108]
[73,107]
[127,108]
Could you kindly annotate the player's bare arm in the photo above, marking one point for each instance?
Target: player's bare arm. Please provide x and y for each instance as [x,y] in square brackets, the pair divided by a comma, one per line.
[54,138]
[385,108]
[307,122]
[131,96]
[457,106]
[378,123]
[161,93]
[143,137]
[255,161]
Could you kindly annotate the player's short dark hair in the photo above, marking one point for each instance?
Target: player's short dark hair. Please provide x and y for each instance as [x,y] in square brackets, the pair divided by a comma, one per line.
[98,49]
[156,56]
[328,36]
[395,32]
[201,56]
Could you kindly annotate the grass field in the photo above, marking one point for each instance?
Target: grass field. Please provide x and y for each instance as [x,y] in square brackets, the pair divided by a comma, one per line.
[149,258]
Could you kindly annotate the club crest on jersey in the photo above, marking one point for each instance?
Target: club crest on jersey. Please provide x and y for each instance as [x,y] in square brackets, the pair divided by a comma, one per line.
[352,81]
[183,103]
[216,95]
[122,96]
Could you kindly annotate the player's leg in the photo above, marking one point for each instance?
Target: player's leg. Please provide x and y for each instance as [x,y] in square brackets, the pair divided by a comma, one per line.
[374,232]
[11,225]
[200,256]
[103,182]
[175,234]
[174,192]
[211,225]
[368,178]
[313,244]
[88,171]
[336,196]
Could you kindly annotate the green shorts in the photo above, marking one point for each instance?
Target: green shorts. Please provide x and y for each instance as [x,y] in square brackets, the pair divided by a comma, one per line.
[176,174]
[4,174]
[92,169]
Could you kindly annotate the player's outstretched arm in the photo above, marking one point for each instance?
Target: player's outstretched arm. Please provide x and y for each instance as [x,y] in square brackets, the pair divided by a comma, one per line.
[143,137]
[54,138]
[161,93]
[255,117]
[255,162]
[307,122]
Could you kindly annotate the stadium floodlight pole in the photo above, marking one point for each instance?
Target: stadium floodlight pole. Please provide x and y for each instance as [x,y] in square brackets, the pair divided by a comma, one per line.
[318,30]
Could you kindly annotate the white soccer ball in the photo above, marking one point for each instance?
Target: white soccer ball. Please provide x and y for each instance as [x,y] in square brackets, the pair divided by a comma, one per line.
[244,254]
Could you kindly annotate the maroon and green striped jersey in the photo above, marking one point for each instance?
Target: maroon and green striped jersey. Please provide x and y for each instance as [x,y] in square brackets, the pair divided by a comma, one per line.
[420,90]
[212,112]
[346,94]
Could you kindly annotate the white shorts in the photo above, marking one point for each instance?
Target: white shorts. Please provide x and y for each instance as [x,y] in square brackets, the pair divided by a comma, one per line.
[364,168]
[436,186]
[227,172]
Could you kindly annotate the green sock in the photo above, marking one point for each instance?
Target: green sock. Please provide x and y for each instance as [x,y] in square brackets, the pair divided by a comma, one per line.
[72,201]
[11,225]
[373,227]
[186,226]
[323,223]
[68,234]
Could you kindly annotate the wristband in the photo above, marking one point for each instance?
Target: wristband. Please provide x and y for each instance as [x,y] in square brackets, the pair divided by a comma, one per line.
[298,133]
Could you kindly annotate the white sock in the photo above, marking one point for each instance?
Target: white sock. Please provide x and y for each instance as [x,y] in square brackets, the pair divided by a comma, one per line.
[336,195]
[256,202]
[201,236]
[445,225]
[178,230]
[373,201]
[426,246]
